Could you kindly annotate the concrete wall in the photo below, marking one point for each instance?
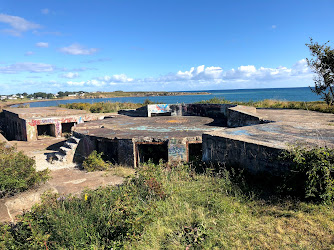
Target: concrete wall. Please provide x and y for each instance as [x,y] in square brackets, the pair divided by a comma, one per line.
[31,125]
[253,157]
[240,116]
[158,109]
[14,127]
[177,150]
[4,140]
[22,129]
[228,115]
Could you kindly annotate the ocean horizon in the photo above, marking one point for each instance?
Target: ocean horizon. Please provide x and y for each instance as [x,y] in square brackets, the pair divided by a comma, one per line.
[242,95]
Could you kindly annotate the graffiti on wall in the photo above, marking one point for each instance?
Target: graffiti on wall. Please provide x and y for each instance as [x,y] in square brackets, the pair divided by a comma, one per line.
[32,125]
[158,108]
[176,150]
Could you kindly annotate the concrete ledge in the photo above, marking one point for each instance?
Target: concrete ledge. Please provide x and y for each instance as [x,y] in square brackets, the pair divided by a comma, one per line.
[253,157]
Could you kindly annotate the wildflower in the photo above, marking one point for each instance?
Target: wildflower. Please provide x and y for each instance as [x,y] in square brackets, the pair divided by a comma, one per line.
[86,197]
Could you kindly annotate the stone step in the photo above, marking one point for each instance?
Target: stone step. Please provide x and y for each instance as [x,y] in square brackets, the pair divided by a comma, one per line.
[70,145]
[64,150]
[74,140]
[60,157]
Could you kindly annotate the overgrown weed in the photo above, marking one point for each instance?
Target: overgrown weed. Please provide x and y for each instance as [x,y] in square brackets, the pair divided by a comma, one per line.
[18,171]
[171,208]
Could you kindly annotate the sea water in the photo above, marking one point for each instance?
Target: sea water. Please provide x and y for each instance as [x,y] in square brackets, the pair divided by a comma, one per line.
[243,95]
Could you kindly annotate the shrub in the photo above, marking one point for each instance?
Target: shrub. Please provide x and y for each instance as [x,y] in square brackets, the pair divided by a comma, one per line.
[94,162]
[17,171]
[312,173]
[102,107]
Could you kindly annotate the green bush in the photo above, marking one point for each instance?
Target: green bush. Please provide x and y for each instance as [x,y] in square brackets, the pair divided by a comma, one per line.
[319,106]
[102,107]
[312,173]
[17,171]
[94,162]
[169,208]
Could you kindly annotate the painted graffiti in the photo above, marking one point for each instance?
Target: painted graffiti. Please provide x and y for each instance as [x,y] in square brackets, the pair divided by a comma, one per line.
[176,150]
[158,108]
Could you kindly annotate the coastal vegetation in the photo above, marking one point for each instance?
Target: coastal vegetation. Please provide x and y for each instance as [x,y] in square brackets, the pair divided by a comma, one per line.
[17,171]
[94,162]
[323,66]
[102,107]
[319,106]
[105,107]
[180,208]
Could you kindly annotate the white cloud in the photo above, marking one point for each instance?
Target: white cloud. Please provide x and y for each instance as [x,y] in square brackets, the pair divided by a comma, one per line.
[77,49]
[18,24]
[196,78]
[70,75]
[103,81]
[116,78]
[28,53]
[76,83]
[273,26]
[42,45]
[26,67]
[45,11]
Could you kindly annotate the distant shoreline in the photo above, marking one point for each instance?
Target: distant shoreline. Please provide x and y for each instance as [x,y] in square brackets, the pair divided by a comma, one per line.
[102,95]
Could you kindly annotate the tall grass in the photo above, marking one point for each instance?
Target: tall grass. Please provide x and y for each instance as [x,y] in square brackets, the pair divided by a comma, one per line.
[319,106]
[171,208]
[102,107]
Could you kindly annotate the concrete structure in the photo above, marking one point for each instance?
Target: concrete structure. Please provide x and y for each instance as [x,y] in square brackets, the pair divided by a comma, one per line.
[172,133]
[134,140]
[224,134]
[257,147]
[228,115]
[26,124]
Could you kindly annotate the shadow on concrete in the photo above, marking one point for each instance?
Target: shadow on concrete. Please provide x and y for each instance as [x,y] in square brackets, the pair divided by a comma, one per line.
[56,146]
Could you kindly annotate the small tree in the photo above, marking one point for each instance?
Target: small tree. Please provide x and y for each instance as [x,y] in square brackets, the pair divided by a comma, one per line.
[323,66]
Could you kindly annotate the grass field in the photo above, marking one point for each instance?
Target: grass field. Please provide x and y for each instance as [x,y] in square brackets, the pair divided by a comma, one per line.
[319,106]
[172,208]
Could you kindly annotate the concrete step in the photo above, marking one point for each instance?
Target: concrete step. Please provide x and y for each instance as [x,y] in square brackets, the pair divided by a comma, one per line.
[60,157]
[70,145]
[73,139]
[64,150]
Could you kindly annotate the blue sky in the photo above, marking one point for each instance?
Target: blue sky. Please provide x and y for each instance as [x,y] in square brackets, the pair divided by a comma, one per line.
[109,45]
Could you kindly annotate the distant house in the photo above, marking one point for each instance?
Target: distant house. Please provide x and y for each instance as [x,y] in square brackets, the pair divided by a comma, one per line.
[39,98]
[72,95]
[3,97]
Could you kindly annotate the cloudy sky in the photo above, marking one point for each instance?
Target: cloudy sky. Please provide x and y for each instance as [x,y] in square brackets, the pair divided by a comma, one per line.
[133,45]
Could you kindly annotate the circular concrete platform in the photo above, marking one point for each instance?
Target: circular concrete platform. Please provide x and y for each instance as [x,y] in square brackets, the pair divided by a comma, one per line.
[164,127]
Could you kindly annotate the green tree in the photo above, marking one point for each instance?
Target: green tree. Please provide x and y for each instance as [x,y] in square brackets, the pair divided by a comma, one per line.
[323,65]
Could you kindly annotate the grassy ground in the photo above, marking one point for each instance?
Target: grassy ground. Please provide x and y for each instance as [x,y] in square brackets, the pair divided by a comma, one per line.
[102,107]
[172,209]
[319,106]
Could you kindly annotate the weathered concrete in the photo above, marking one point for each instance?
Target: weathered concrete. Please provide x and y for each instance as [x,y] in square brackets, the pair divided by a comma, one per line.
[63,182]
[4,140]
[27,124]
[254,137]
[228,115]
[124,140]
[257,147]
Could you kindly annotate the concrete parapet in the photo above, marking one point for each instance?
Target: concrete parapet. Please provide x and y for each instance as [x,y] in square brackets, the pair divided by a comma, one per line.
[251,156]
[240,116]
